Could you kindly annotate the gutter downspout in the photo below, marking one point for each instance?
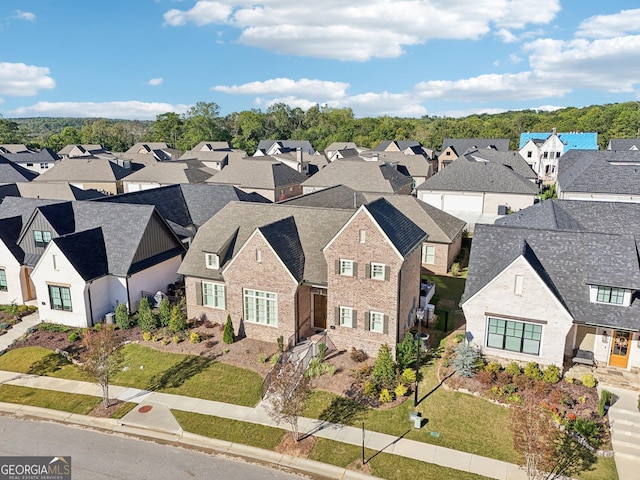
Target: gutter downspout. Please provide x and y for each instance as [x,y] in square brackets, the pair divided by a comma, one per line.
[90,305]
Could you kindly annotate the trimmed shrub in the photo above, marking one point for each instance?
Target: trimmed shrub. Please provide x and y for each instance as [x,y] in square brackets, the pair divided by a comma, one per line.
[401,390]
[384,370]
[123,320]
[513,369]
[385,396]
[408,376]
[228,336]
[194,337]
[369,389]
[146,336]
[146,318]
[466,360]
[74,337]
[551,374]
[164,312]
[532,371]
[493,367]
[178,320]
[589,429]
[406,351]
[605,401]
[588,380]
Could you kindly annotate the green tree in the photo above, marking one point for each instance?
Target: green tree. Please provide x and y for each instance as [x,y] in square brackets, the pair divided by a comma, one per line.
[202,123]
[9,131]
[178,320]
[146,319]
[228,335]
[164,312]
[168,128]
[384,370]
[123,319]
[407,352]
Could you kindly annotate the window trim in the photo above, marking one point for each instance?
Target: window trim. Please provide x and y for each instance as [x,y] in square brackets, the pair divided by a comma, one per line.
[612,292]
[41,234]
[371,315]
[218,295]
[60,289]
[341,316]
[212,265]
[425,254]
[346,272]
[253,314]
[381,275]
[4,286]
[534,329]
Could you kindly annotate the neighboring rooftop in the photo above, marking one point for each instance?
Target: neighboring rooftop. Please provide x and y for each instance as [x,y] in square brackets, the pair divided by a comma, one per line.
[11,172]
[571,140]
[463,145]
[258,173]
[604,171]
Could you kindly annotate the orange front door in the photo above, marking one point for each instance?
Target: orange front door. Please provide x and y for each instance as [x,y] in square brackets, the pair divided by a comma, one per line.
[620,348]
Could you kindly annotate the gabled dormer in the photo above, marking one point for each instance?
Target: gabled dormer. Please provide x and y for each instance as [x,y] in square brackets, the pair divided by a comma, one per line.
[610,295]
[46,222]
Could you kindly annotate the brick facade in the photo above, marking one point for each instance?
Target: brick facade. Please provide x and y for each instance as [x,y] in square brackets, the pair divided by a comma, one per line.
[364,294]
[445,253]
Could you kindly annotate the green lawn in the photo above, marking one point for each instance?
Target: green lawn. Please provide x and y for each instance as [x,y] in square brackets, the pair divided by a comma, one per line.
[150,369]
[67,402]
[449,289]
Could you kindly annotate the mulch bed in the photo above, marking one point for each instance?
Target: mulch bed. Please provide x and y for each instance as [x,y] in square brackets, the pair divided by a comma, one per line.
[301,448]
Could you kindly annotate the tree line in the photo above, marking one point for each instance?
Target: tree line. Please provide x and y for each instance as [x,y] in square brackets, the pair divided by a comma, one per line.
[320,125]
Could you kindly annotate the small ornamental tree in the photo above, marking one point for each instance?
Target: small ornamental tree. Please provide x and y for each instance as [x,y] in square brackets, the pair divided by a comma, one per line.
[227,335]
[103,357]
[164,312]
[146,318]
[466,360]
[287,395]
[384,370]
[178,319]
[407,352]
[123,320]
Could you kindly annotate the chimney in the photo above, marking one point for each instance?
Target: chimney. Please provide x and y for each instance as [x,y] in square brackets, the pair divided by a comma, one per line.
[375,157]
[299,154]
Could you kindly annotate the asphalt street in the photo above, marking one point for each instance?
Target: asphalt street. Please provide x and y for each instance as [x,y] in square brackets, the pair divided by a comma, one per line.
[101,456]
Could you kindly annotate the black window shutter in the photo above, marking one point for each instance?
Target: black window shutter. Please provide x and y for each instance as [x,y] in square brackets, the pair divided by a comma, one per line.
[354,319]
[336,316]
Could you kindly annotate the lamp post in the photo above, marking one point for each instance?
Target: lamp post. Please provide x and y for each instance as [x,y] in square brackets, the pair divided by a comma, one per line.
[419,316]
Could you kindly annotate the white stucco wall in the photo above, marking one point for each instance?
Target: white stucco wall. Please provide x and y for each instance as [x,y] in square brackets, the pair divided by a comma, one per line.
[62,274]
[537,303]
[106,293]
[12,271]
[153,279]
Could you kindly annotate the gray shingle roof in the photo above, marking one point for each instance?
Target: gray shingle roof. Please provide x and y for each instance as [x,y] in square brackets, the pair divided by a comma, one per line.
[84,170]
[511,159]
[468,175]
[401,231]
[624,144]
[462,145]
[54,191]
[599,171]
[402,144]
[11,172]
[237,221]
[10,229]
[339,196]
[567,260]
[259,173]
[359,175]
[75,247]
[45,155]
[287,144]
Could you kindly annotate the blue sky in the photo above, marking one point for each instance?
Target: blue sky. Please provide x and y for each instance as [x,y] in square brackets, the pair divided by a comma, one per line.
[138,58]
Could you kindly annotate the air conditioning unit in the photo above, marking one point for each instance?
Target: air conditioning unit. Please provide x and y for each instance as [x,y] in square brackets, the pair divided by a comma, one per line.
[502,209]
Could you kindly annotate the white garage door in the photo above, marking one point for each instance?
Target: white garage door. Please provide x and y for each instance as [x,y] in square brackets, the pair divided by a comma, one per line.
[434,199]
[132,187]
[462,203]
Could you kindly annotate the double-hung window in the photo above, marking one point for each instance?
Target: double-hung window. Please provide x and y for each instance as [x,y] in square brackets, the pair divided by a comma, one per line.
[3,280]
[376,322]
[377,271]
[346,317]
[60,298]
[213,295]
[514,336]
[428,254]
[212,261]
[261,307]
[346,268]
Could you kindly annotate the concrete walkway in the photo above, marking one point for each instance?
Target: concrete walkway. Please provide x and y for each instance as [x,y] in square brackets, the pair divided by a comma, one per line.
[18,330]
[624,419]
[158,418]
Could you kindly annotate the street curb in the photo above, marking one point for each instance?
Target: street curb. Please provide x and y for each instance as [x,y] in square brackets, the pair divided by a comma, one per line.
[187,439]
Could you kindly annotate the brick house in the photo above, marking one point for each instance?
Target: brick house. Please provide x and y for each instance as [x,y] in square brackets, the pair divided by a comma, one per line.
[291,271]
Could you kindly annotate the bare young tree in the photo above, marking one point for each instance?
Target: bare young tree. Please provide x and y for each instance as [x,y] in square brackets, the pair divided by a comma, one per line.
[548,451]
[103,357]
[287,395]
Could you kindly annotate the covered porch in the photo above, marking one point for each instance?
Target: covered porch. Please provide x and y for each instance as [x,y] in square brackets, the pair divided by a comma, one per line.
[604,348]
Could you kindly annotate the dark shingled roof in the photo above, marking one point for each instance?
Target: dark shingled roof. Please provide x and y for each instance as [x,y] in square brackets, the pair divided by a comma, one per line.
[513,160]
[565,261]
[599,171]
[339,196]
[11,172]
[10,229]
[287,144]
[401,231]
[360,175]
[402,144]
[75,247]
[283,237]
[468,175]
[624,144]
[462,145]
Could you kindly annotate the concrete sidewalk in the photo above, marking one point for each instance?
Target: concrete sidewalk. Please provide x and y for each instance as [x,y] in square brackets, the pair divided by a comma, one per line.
[624,419]
[158,418]
[18,330]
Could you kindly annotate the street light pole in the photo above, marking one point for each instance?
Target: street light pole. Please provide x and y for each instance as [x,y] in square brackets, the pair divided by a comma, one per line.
[419,316]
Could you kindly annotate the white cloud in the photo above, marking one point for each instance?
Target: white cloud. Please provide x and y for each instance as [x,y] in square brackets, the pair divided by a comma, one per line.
[21,80]
[154,82]
[130,110]
[365,29]
[203,13]
[506,36]
[606,26]
[28,16]
[287,86]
